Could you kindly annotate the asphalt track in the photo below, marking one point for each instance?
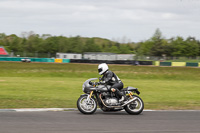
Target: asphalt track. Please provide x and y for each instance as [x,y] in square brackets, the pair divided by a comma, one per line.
[100,122]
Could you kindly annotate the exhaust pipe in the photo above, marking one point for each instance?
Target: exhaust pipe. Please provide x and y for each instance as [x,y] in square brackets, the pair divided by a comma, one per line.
[126,103]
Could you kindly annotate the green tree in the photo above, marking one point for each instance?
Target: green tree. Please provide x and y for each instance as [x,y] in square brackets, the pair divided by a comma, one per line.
[32,43]
[155,46]
[62,44]
[160,44]
[2,41]
[76,45]
[181,47]
[14,43]
[144,48]
[50,45]
[191,47]
[124,49]
[114,49]
[90,46]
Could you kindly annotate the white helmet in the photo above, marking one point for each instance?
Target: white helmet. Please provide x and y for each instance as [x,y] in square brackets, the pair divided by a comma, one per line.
[102,68]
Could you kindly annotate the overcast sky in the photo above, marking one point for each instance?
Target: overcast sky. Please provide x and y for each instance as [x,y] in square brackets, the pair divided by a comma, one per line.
[120,20]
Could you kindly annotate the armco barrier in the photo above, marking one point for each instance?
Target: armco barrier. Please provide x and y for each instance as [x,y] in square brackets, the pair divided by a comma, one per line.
[10,59]
[42,60]
[58,60]
[192,64]
[165,63]
[32,59]
[50,60]
[66,60]
[35,59]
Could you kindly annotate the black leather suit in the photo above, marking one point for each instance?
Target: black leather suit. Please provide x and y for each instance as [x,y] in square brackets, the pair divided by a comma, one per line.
[112,79]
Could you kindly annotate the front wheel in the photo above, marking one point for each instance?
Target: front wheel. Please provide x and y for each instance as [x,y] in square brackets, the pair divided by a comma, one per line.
[86,106]
[136,107]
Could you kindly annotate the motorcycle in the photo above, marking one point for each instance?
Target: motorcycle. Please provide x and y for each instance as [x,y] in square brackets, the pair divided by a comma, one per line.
[98,93]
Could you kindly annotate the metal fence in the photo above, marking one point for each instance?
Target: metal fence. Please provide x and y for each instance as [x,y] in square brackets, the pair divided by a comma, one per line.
[35,55]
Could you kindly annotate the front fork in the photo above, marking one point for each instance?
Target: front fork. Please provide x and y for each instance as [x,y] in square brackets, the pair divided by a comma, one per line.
[89,96]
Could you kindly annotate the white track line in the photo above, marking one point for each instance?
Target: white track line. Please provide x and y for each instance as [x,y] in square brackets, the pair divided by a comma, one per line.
[73,109]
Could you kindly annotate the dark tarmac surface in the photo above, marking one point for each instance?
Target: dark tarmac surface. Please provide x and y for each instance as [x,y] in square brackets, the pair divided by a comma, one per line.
[100,122]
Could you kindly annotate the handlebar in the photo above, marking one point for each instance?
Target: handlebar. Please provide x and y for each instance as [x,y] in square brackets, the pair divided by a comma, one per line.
[96,83]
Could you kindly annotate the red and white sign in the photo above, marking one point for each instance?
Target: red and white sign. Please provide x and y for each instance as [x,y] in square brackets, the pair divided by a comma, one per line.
[3,51]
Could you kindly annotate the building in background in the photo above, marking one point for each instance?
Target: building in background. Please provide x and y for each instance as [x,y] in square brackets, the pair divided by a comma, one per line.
[107,56]
[99,56]
[95,56]
[125,56]
[68,56]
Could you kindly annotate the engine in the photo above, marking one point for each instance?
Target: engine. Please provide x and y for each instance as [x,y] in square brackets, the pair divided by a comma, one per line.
[111,101]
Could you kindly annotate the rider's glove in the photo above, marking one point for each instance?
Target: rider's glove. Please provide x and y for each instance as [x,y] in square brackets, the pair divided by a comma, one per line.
[96,83]
[102,82]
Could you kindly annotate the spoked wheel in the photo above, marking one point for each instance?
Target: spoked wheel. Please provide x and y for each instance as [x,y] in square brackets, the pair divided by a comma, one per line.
[86,106]
[135,107]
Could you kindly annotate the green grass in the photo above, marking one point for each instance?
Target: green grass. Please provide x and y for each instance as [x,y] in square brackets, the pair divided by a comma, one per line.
[49,85]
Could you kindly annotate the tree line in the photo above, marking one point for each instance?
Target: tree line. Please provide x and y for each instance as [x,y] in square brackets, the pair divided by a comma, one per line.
[31,42]
[157,45]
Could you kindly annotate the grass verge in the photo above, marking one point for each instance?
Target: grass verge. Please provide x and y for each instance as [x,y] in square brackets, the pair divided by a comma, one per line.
[38,85]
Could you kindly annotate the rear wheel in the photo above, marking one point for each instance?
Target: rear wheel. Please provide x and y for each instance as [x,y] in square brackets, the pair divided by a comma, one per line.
[136,107]
[86,106]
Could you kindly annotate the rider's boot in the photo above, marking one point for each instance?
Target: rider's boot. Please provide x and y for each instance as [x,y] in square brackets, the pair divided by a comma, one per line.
[120,95]
[122,99]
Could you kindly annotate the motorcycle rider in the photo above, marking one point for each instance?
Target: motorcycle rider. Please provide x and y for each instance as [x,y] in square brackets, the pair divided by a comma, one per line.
[112,79]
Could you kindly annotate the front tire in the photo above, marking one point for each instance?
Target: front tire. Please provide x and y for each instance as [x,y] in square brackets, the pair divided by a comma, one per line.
[86,107]
[136,107]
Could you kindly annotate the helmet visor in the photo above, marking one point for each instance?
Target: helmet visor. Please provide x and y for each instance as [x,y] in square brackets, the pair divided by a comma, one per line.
[100,70]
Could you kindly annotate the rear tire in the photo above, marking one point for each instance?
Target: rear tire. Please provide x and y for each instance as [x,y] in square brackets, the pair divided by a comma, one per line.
[136,107]
[86,107]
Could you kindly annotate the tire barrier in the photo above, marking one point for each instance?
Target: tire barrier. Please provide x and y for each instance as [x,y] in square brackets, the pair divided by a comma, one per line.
[189,64]
[165,63]
[178,64]
[127,62]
